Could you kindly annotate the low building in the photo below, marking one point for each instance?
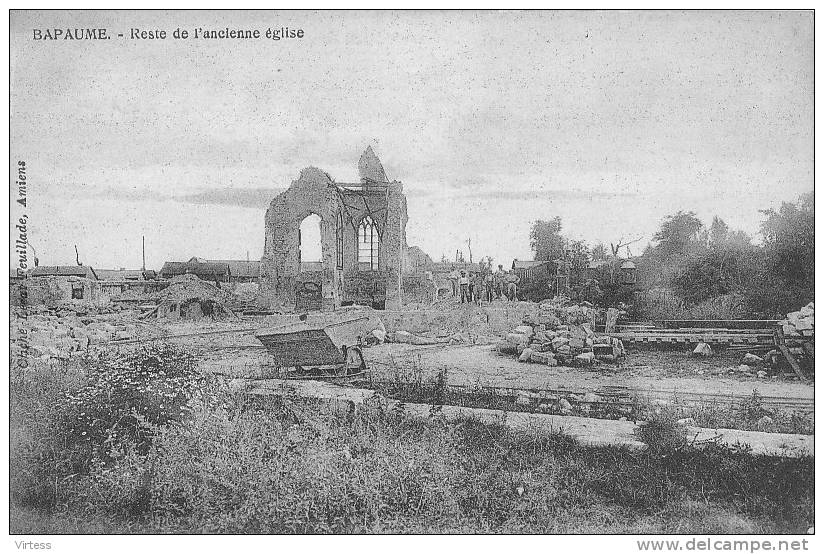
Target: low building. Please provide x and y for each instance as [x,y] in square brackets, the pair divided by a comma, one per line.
[128,284]
[55,285]
[207,271]
[126,274]
[629,273]
[84,271]
[532,270]
[240,271]
[617,271]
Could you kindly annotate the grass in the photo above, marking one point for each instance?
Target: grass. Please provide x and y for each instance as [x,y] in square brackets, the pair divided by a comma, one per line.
[241,464]
[408,385]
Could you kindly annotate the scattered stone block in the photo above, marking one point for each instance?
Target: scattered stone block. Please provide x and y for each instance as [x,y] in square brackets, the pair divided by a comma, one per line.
[751,359]
[587,358]
[702,349]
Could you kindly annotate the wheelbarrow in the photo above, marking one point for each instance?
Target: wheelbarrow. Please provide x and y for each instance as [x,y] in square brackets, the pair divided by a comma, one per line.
[328,353]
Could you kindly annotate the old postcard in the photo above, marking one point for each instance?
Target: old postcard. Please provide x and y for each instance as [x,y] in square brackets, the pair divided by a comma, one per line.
[413,272]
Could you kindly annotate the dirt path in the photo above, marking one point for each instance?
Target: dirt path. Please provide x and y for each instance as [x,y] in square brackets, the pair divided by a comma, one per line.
[481,365]
[592,432]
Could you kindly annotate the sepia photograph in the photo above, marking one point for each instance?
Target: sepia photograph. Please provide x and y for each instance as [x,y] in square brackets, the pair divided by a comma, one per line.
[413,272]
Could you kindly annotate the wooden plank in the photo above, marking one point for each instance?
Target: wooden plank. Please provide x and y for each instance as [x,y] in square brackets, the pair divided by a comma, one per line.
[779,339]
[793,362]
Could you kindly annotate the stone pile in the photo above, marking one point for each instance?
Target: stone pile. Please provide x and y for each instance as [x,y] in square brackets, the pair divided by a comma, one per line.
[799,325]
[560,343]
[36,334]
[560,311]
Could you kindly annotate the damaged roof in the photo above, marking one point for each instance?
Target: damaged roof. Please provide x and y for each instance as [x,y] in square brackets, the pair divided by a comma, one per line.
[196,268]
[64,271]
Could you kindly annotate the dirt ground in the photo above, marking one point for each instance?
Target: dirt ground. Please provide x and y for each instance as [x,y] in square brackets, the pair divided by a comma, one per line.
[661,375]
[654,374]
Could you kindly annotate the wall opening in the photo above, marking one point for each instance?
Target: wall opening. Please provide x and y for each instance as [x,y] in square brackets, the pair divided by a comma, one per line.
[368,245]
[309,252]
[339,240]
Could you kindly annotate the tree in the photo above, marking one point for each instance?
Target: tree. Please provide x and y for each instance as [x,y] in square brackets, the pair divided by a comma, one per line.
[716,271]
[577,255]
[546,240]
[599,252]
[789,241]
[718,231]
[677,233]
[786,276]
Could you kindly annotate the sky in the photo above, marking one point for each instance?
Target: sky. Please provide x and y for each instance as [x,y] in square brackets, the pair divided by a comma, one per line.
[491,120]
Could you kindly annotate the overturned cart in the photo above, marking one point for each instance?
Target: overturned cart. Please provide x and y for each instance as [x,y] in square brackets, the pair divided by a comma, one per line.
[328,353]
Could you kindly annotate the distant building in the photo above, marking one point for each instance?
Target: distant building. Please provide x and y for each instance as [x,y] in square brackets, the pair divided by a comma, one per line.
[629,273]
[52,285]
[221,271]
[128,284]
[531,270]
[64,271]
[214,272]
[126,274]
[240,271]
[619,271]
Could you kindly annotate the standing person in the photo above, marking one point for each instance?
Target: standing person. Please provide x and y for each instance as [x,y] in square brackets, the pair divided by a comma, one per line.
[489,286]
[471,287]
[453,280]
[512,281]
[430,277]
[479,283]
[500,277]
[463,281]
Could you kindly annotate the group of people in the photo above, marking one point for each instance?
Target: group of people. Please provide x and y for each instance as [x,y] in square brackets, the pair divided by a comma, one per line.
[479,286]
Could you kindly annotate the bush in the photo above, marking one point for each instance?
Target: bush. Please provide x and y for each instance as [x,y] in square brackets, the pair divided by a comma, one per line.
[66,421]
[128,395]
[42,452]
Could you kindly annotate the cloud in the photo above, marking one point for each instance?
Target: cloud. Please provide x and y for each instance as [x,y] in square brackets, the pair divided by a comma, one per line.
[550,195]
[131,195]
[258,198]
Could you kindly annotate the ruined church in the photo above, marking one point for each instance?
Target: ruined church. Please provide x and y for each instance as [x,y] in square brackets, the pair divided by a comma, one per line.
[362,241]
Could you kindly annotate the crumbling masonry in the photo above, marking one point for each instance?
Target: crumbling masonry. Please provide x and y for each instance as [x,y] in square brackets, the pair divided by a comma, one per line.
[363,238]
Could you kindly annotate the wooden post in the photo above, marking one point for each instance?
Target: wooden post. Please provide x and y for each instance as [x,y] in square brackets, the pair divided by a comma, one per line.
[612,320]
[782,345]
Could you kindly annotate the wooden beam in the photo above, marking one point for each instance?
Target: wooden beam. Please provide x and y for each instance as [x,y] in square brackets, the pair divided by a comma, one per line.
[779,331]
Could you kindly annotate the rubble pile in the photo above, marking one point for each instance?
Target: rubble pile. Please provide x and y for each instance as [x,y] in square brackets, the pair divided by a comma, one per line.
[800,325]
[183,287]
[560,311]
[799,332]
[38,334]
[561,335]
[188,296]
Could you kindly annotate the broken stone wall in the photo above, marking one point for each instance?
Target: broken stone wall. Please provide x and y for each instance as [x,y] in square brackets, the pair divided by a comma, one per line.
[311,193]
[315,193]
